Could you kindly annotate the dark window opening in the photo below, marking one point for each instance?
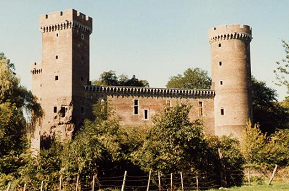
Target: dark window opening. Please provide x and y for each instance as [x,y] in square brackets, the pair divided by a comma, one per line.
[56,78]
[57,36]
[136,102]
[222,111]
[200,108]
[55,109]
[220,63]
[214,28]
[62,111]
[135,108]
[61,13]
[46,16]
[220,45]
[56,57]
[221,82]
[146,112]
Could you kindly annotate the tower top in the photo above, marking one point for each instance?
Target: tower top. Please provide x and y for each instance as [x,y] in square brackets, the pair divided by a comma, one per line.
[235,31]
[65,19]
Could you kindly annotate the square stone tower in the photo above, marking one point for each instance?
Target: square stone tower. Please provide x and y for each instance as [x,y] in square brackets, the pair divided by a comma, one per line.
[59,79]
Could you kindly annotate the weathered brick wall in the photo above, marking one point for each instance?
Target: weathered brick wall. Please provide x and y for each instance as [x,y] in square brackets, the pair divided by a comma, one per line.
[64,70]
[231,77]
[149,104]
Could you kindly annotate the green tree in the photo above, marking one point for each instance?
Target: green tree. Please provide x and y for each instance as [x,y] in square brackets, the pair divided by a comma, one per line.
[107,79]
[253,145]
[96,149]
[267,111]
[262,151]
[192,78]
[174,144]
[166,145]
[110,79]
[282,71]
[15,100]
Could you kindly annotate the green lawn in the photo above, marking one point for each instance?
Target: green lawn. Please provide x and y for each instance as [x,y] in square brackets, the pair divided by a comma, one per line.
[274,187]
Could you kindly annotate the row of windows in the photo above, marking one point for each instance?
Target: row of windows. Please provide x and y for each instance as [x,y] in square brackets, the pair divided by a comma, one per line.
[56,57]
[81,35]
[56,78]
[64,109]
[168,104]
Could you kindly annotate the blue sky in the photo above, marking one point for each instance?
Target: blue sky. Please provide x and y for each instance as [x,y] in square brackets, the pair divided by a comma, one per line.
[152,39]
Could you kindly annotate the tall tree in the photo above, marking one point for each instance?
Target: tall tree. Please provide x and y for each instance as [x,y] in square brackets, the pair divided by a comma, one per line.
[14,100]
[282,71]
[111,79]
[267,111]
[192,78]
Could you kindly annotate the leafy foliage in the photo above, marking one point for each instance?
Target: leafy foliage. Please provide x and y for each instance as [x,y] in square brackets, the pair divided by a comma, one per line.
[175,144]
[270,114]
[110,79]
[13,128]
[14,101]
[192,78]
[282,71]
[262,151]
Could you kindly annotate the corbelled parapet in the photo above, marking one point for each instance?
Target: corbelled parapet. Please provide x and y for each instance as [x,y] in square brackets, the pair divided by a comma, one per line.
[36,68]
[62,20]
[225,32]
[165,92]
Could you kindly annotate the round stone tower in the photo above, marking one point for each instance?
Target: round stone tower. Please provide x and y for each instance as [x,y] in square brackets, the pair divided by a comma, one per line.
[231,77]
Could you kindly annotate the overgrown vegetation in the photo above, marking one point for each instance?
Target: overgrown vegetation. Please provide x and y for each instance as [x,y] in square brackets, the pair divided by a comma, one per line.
[102,147]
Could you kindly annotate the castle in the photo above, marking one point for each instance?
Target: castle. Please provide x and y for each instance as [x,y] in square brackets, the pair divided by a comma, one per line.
[62,85]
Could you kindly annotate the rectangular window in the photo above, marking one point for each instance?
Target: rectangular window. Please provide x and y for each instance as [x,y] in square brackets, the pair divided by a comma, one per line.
[200,108]
[55,109]
[62,111]
[135,107]
[221,82]
[56,57]
[222,111]
[146,114]
[220,63]
[220,45]
[56,78]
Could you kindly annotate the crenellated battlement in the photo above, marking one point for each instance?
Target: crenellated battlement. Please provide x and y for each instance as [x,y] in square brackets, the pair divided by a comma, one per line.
[165,92]
[62,20]
[226,32]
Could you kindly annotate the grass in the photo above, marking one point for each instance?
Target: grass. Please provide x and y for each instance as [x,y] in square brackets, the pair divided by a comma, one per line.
[274,187]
